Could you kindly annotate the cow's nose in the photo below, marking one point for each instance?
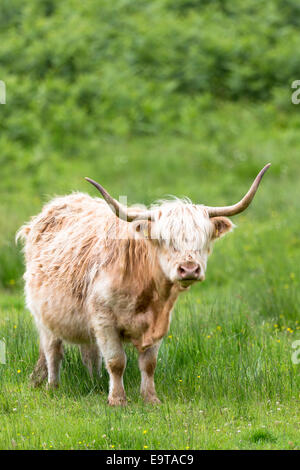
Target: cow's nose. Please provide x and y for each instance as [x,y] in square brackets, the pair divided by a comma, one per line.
[189,271]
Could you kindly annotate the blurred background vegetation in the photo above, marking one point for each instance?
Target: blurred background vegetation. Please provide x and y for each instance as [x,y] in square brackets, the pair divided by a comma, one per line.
[189,97]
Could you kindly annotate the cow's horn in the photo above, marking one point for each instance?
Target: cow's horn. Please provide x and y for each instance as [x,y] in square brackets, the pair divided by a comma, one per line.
[243,203]
[121,211]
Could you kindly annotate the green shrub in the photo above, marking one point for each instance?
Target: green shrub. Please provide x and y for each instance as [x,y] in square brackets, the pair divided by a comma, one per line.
[138,67]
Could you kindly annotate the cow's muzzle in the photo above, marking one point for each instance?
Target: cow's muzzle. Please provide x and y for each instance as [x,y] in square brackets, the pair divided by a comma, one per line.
[189,272]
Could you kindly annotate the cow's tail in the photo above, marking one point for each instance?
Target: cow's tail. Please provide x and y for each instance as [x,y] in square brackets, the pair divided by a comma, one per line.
[22,233]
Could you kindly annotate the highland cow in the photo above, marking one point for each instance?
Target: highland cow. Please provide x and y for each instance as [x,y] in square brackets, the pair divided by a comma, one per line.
[100,273]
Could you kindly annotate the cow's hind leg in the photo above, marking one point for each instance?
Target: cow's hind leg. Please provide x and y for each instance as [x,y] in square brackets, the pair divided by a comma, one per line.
[40,371]
[91,358]
[147,365]
[53,350]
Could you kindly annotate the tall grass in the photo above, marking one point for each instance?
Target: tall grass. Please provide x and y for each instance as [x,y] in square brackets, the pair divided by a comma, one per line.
[224,374]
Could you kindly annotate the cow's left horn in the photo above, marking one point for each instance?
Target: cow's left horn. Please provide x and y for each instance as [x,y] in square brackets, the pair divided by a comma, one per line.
[243,203]
[121,211]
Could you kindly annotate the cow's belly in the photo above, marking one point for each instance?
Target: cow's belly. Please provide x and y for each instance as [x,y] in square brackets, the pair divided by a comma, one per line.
[72,330]
[64,321]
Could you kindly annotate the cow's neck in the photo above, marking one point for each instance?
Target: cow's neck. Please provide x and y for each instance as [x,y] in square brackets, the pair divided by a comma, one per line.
[155,302]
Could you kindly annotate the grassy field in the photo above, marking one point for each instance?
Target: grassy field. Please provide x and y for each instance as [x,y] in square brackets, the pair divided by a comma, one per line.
[225,373]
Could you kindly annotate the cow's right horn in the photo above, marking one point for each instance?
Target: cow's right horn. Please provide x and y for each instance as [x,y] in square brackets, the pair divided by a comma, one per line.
[124,213]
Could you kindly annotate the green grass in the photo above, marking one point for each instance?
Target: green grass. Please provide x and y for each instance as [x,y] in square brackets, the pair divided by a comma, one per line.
[225,375]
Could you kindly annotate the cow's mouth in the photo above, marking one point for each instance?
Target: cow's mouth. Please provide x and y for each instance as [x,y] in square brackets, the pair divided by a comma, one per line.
[187,282]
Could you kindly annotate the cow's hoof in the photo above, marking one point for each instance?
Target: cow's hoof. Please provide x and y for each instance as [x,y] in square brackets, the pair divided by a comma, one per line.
[52,386]
[152,399]
[35,383]
[37,378]
[117,401]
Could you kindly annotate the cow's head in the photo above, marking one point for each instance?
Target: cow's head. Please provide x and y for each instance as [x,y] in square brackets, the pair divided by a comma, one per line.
[183,232]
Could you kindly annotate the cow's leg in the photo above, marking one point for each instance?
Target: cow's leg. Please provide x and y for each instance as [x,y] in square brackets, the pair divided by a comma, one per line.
[40,371]
[53,350]
[91,358]
[111,347]
[147,365]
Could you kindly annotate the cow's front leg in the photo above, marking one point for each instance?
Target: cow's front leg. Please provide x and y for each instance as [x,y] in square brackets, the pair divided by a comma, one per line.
[111,347]
[147,365]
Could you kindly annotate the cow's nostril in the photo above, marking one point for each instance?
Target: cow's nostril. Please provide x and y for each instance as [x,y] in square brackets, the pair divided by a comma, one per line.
[181,270]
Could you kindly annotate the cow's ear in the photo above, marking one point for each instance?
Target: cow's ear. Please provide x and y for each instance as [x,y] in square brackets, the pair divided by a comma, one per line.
[142,228]
[221,226]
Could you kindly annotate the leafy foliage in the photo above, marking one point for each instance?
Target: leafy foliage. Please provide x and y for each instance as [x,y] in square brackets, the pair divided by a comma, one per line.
[128,67]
